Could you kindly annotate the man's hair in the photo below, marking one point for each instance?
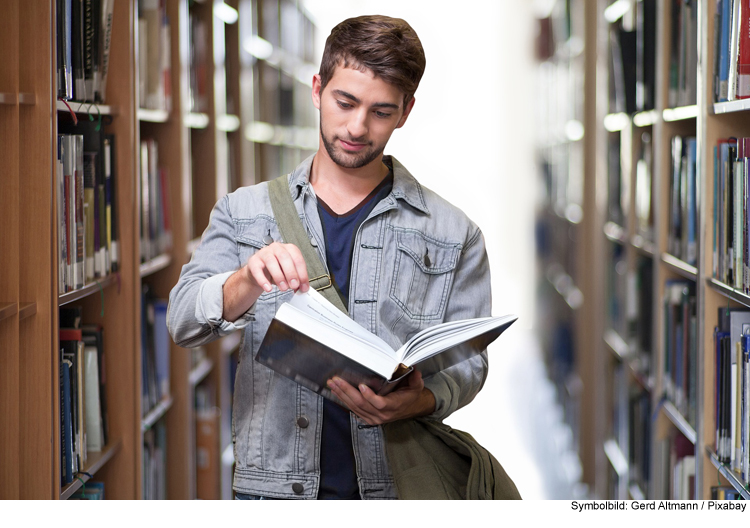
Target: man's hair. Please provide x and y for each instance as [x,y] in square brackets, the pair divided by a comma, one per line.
[388,47]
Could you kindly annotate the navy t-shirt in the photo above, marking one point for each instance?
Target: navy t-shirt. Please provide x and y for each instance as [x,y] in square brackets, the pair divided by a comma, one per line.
[338,473]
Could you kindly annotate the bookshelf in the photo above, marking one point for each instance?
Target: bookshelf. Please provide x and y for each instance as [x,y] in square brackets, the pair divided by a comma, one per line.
[653,356]
[203,152]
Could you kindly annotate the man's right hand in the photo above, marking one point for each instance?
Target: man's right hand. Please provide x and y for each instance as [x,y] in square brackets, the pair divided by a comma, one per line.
[277,264]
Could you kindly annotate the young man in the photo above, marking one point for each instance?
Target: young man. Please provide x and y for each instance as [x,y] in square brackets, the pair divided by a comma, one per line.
[401,257]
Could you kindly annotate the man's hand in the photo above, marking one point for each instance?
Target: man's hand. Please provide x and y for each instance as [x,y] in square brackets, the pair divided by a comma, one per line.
[409,401]
[276,264]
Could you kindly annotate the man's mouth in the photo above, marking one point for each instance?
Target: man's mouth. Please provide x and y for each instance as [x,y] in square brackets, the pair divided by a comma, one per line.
[352,147]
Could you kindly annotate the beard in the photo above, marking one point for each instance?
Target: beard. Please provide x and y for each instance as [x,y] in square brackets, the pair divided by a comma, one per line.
[349,160]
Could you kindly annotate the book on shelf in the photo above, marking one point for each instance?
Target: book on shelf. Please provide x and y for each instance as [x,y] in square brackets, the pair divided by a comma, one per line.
[645,87]
[156,229]
[207,443]
[683,57]
[97,423]
[644,208]
[682,241]
[199,57]
[731,75]
[310,341]
[680,354]
[682,463]
[639,427]
[154,67]
[155,353]
[154,463]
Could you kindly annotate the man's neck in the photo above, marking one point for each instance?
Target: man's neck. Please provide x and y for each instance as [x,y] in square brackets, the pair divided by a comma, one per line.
[341,188]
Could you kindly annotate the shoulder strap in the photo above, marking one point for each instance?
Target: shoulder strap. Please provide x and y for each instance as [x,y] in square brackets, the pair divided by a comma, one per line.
[293,232]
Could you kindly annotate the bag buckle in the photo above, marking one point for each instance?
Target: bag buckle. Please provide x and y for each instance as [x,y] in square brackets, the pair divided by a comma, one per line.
[324,286]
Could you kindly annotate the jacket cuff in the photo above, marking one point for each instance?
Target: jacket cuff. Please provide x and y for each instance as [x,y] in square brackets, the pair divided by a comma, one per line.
[210,306]
[444,404]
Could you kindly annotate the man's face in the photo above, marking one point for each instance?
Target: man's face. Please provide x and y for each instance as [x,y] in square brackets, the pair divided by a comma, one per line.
[358,114]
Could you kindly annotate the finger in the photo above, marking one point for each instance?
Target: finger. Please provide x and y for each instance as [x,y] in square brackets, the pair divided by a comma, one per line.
[351,396]
[300,265]
[274,269]
[288,265]
[259,274]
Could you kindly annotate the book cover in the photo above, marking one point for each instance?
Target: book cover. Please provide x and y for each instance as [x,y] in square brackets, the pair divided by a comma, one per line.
[309,341]
[66,419]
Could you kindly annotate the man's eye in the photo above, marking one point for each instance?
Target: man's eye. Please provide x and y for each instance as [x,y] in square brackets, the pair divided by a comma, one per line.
[342,104]
[382,114]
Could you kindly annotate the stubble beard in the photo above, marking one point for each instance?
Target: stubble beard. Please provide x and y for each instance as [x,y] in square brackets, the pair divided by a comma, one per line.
[349,160]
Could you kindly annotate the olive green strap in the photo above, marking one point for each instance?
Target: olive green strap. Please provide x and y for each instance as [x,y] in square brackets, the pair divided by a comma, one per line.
[293,232]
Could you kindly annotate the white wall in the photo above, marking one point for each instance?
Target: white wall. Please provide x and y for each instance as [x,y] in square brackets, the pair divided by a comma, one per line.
[469,135]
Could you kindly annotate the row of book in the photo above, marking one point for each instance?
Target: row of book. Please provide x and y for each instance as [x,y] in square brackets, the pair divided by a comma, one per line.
[731,50]
[156,228]
[682,236]
[84,33]
[155,354]
[83,394]
[681,347]
[731,222]
[683,55]
[154,463]
[632,68]
[732,390]
[154,56]
[86,206]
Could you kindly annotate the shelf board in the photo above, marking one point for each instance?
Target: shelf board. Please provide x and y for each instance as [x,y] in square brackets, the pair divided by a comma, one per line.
[681,113]
[197,120]
[26,310]
[87,290]
[728,291]
[155,414]
[616,122]
[679,421]
[617,345]
[646,118]
[616,458]
[563,284]
[93,109]
[615,233]
[155,264]
[152,116]
[731,476]
[94,463]
[228,123]
[644,246]
[10,99]
[680,267]
[8,310]
[729,107]
[200,371]
[231,342]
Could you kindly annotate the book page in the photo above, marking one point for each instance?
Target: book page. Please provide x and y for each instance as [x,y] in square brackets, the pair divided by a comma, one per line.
[336,338]
[317,306]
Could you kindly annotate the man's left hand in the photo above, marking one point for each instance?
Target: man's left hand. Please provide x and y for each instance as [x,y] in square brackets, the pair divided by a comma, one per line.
[409,401]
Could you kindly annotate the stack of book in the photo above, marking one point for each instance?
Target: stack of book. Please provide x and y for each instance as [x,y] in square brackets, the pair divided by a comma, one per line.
[731,50]
[156,228]
[682,236]
[86,205]
[84,32]
[83,395]
[154,62]
[732,390]
[681,346]
[731,222]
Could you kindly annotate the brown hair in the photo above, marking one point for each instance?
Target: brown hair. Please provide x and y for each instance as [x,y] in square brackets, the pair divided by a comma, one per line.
[388,47]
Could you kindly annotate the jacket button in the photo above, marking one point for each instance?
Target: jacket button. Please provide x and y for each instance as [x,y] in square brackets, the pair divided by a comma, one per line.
[298,488]
[303,421]
[313,242]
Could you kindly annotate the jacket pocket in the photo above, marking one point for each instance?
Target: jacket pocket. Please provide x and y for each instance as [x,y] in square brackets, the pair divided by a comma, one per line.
[252,235]
[422,274]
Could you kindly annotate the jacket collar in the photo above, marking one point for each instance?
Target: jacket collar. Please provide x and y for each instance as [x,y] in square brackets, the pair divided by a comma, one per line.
[405,186]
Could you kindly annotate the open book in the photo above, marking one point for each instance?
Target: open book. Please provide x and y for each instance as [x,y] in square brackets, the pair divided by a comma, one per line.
[310,341]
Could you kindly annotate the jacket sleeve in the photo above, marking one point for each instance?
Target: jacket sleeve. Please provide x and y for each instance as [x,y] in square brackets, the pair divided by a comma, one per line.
[469,297]
[196,303]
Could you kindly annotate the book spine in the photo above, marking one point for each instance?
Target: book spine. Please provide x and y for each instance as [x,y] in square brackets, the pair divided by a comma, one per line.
[89,196]
[726,15]
[105,45]
[743,53]
[80,262]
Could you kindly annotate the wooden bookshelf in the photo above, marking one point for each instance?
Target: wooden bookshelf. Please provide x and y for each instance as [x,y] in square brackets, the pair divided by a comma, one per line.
[621,248]
[206,154]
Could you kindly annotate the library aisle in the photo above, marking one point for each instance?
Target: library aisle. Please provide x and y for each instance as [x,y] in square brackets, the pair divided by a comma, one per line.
[517,418]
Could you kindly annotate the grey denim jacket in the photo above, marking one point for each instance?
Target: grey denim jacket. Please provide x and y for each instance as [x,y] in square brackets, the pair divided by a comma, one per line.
[395,291]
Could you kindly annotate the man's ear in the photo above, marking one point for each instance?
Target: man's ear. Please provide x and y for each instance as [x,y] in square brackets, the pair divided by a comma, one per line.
[316,89]
[407,111]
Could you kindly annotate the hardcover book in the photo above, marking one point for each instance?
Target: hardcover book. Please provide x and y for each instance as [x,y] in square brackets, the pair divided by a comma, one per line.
[310,341]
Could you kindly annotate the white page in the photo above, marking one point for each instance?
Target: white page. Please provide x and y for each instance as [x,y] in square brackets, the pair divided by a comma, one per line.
[443,329]
[439,343]
[331,335]
[315,305]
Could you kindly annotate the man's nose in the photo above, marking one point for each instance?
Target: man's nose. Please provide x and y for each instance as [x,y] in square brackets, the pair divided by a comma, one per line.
[357,126]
